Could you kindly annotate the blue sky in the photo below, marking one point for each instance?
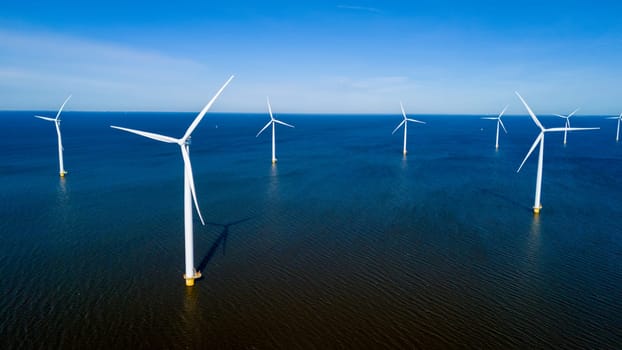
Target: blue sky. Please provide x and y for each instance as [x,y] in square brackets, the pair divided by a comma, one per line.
[309,57]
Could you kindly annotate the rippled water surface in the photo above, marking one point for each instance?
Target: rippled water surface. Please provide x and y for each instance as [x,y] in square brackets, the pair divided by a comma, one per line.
[344,243]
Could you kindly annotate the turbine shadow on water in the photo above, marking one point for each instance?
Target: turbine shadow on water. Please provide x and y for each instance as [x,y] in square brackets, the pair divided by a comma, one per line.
[221,240]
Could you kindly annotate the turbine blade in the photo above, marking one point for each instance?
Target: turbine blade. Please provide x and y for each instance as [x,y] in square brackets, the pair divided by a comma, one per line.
[573,112]
[605,118]
[149,135]
[568,129]
[561,116]
[503,126]
[533,116]
[264,128]
[188,165]
[283,123]
[415,121]
[503,111]
[402,107]
[53,120]
[61,107]
[398,126]
[269,108]
[531,149]
[489,118]
[579,129]
[200,116]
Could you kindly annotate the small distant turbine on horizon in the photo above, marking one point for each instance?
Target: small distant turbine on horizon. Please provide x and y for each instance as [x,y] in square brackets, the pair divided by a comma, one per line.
[540,140]
[189,191]
[619,118]
[499,122]
[405,123]
[567,125]
[56,121]
[273,122]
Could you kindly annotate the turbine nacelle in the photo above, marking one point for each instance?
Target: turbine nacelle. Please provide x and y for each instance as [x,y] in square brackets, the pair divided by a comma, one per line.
[272,120]
[57,118]
[498,118]
[567,116]
[48,119]
[405,120]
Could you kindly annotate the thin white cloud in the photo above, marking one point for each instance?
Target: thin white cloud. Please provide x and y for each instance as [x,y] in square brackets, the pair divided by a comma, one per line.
[39,68]
[359,8]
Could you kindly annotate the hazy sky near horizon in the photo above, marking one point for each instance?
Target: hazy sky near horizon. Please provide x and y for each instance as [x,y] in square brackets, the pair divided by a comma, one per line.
[313,57]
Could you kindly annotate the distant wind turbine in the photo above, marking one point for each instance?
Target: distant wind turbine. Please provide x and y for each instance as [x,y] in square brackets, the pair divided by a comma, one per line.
[56,121]
[272,122]
[540,139]
[499,122]
[405,123]
[567,117]
[619,118]
[189,191]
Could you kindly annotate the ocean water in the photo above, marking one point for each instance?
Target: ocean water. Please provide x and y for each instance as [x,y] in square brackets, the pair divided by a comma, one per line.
[344,243]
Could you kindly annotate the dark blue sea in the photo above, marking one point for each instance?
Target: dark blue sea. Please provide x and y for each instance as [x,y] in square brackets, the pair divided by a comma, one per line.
[344,243]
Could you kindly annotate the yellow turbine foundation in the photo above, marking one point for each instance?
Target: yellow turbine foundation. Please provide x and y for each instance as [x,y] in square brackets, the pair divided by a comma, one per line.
[190,280]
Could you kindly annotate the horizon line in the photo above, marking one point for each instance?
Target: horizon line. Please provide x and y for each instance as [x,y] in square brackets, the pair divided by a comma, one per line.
[295,113]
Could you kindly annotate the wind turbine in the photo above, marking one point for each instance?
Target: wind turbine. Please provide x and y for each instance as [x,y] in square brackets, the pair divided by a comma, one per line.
[189,191]
[56,121]
[567,117]
[540,139]
[499,122]
[405,123]
[273,122]
[618,132]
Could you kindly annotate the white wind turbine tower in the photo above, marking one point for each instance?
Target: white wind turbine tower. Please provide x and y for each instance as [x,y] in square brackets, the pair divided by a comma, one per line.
[273,122]
[56,121]
[567,117]
[619,118]
[540,140]
[499,122]
[189,191]
[405,123]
